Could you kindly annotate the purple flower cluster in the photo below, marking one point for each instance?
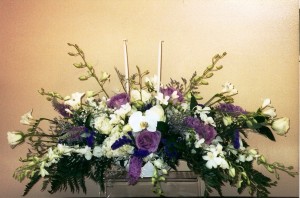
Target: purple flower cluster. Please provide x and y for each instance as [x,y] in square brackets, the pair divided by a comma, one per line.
[120,142]
[61,108]
[118,100]
[231,109]
[135,168]
[236,139]
[73,134]
[205,131]
[169,91]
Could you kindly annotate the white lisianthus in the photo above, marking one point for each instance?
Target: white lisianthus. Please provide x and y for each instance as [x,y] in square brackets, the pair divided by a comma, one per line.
[15,138]
[102,124]
[269,112]
[27,118]
[229,89]
[281,125]
[75,100]
[266,103]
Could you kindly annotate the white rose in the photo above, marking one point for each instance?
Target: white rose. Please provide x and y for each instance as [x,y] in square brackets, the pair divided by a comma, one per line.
[281,125]
[14,138]
[103,125]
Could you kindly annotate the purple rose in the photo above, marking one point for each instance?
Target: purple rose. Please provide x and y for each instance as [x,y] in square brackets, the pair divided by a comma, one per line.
[169,91]
[148,141]
[118,100]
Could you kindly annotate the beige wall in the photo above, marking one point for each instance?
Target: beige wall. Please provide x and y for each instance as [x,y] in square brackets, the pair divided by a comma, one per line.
[261,38]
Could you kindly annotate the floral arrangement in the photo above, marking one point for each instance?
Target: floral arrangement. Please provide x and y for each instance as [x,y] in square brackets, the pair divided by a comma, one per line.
[145,131]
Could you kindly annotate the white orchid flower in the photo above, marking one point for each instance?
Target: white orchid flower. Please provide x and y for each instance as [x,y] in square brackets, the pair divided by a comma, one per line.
[139,122]
[229,89]
[162,99]
[75,100]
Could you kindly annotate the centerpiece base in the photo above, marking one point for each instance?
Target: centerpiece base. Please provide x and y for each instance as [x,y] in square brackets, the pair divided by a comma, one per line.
[177,184]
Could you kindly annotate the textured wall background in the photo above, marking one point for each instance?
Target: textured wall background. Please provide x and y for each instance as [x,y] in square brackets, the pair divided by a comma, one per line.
[260,37]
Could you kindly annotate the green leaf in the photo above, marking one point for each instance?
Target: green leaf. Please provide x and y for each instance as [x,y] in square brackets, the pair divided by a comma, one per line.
[194,102]
[266,132]
[33,180]
[260,119]
[162,127]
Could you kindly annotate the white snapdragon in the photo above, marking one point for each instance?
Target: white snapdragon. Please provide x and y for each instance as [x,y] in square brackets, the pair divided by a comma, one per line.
[86,151]
[75,100]
[199,142]
[27,118]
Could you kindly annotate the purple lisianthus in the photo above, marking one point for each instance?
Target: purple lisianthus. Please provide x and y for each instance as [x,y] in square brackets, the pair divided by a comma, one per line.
[135,168]
[169,91]
[147,140]
[118,100]
[231,109]
[205,131]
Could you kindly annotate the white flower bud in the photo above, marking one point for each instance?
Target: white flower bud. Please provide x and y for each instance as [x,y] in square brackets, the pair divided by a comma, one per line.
[15,138]
[281,125]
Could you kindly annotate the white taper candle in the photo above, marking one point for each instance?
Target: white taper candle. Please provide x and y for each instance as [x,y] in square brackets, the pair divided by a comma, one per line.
[159,66]
[126,66]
